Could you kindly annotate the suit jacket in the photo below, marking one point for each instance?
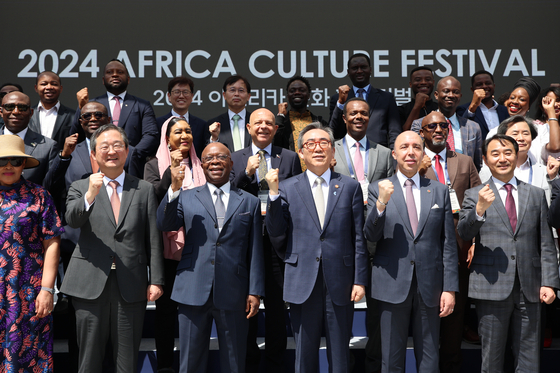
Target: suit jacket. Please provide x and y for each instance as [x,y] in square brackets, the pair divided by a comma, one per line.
[225,130]
[554,211]
[199,130]
[340,246]
[471,138]
[62,125]
[431,253]
[384,121]
[500,253]
[286,161]
[284,136]
[134,244]
[478,117]
[138,121]
[462,176]
[227,263]
[380,161]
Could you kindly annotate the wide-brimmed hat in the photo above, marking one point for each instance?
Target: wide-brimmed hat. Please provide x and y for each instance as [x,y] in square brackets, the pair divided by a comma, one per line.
[12,146]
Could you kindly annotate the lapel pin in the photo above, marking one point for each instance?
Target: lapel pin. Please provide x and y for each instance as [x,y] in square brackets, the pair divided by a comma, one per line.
[429,191]
[33,144]
[336,186]
[277,155]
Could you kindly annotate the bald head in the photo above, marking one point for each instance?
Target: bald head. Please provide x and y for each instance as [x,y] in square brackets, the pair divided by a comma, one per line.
[433,131]
[216,163]
[448,95]
[97,115]
[408,153]
[262,127]
[16,111]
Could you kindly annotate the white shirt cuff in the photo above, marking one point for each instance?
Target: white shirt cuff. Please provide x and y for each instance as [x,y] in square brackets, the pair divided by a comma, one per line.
[172,195]
[273,197]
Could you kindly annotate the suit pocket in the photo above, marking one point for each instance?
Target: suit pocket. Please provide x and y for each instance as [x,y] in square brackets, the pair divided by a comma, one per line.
[537,262]
[485,260]
[473,139]
[291,258]
[348,260]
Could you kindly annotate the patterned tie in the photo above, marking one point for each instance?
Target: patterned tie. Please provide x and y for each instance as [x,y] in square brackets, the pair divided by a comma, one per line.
[359,163]
[439,170]
[263,169]
[510,207]
[116,110]
[236,137]
[361,92]
[411,206]
[115,200]
[319,200]
[450,138]
[220,207]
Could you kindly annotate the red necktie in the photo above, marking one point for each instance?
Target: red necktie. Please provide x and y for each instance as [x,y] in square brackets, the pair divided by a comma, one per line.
[510,207]
[116,110]
[450,138]
[439,170]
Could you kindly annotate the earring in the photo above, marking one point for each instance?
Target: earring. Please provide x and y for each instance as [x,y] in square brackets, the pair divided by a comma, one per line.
[168,146]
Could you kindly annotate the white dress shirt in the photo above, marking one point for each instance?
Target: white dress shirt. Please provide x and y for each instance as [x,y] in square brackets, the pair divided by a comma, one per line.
[119,179]
[47,118]
[490,115]
[21,133]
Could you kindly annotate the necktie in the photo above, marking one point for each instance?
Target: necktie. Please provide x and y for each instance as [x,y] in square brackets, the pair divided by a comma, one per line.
[359,163]
[236,137]
[319,200]
[450,138]
[115,200]
[361,92]
[411,206]
[116,110]
[510,207]
[439,170]
[263,169]
[220,208]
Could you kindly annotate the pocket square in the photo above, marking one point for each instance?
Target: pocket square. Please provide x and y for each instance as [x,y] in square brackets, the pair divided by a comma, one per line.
[245,213]
[435,206]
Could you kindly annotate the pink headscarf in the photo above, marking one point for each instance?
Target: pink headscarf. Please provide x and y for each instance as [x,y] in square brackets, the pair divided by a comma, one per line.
[173,242]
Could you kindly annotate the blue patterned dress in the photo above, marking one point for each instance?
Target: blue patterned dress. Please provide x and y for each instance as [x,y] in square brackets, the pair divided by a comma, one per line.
[27,217]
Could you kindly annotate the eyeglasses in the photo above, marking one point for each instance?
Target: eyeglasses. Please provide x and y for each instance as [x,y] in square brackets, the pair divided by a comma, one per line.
[177,92]
[21,107]
[119,146]
[311,145]
[98,115]
[433,126]
[16,162]
[233,90]
[219,157]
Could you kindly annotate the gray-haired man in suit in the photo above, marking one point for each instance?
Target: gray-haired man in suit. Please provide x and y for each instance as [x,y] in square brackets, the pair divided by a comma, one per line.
[514,267]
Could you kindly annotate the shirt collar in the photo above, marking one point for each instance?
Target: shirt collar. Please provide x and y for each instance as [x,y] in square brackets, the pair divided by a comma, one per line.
[454,122]
[431,154]
[119,179]
[527,165]
[110,96]
[312,177]
[55,107]
[402,178]
[366,89]
[500,184]
[174,114]
[351,141]
[226,188]
[256,149]
[21,133]
[242,114]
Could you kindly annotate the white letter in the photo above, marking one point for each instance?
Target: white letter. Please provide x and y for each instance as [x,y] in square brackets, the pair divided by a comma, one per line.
[490,68]
[377,62]
[444,63]
[406,62]
[252,67]
[304,73]
[535,64]
[472,63]
[123,56]
[221,68]
[188,60]
[422,54]
[320,62]
[142,62]
[345,57]
[460,53]
[293,64]
[178,60]
[513,57]
[163,60]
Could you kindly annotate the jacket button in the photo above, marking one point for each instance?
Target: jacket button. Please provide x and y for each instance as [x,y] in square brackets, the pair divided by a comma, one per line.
[112,257]
[212,262]
[322,238]
[216,226]
[513,257]
[318,259]
[412,262]
[415,242]
[218,244]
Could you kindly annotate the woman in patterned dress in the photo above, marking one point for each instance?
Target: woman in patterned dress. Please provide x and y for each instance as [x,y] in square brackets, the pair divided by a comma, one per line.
[30,232]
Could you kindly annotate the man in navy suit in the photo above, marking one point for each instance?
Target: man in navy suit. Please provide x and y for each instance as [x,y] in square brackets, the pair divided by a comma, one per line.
[229,128]
[180,92]
[131,113]
[315,222]
[221,273]
[50,118]
[415,266]
[483,109]
[384,121]
[250,165]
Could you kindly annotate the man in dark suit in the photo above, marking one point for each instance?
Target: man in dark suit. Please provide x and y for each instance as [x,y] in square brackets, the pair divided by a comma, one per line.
[514,268]
[422,85]
[131,113]
[366,164]
[250,166]
[314,221]
[384,123]
[119,241]
[467,136]
[50,118]
[483,109]
[180,92]
[16,112]
[229,128]
[221,272]
[457,171]
[415,271]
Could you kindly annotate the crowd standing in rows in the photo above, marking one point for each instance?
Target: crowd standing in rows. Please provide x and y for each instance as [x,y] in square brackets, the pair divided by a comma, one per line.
[421,208]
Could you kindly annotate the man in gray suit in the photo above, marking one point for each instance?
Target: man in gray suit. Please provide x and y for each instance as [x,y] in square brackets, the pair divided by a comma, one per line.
[16,112]
[119,240]
[374,162]
[514,267]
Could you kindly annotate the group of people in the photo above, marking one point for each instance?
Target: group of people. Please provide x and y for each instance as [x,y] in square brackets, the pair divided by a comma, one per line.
[206,218]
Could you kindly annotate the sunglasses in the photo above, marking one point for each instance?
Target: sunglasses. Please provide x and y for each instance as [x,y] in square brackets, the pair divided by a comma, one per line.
[433,126]
[16,162]
[98,115]
[21,107]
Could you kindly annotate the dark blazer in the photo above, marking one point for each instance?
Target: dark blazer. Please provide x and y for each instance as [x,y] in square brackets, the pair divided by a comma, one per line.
[138,121]
[500,253]
[199,130]
[432,252]
[286,161]
[225,130]
[62,125]
[229,264]
[384,121]
[478,117]
[380,161]
[284,136]
[554,210]
[297,236]
[134,243]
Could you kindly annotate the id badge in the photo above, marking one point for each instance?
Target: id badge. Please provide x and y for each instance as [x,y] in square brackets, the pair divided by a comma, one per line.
[455,206]
[263,197]
[365,187]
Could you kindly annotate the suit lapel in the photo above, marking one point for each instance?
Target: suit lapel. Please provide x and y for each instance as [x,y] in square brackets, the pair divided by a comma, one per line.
[30,141]
[522,199]
[34,122]
[335,190]
[275,157]
[372,160]
[452,164]
[129,188]
[340,154]
[203,195]
[84,156]
[372,98]
[235,199]
[480,119]
[498,205]
[400,203]
[126,108]
[464,134]
[426,203]
[59,120]
[304,190]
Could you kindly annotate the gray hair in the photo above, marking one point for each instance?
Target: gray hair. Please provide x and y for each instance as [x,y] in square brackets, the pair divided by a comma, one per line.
[314,126]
